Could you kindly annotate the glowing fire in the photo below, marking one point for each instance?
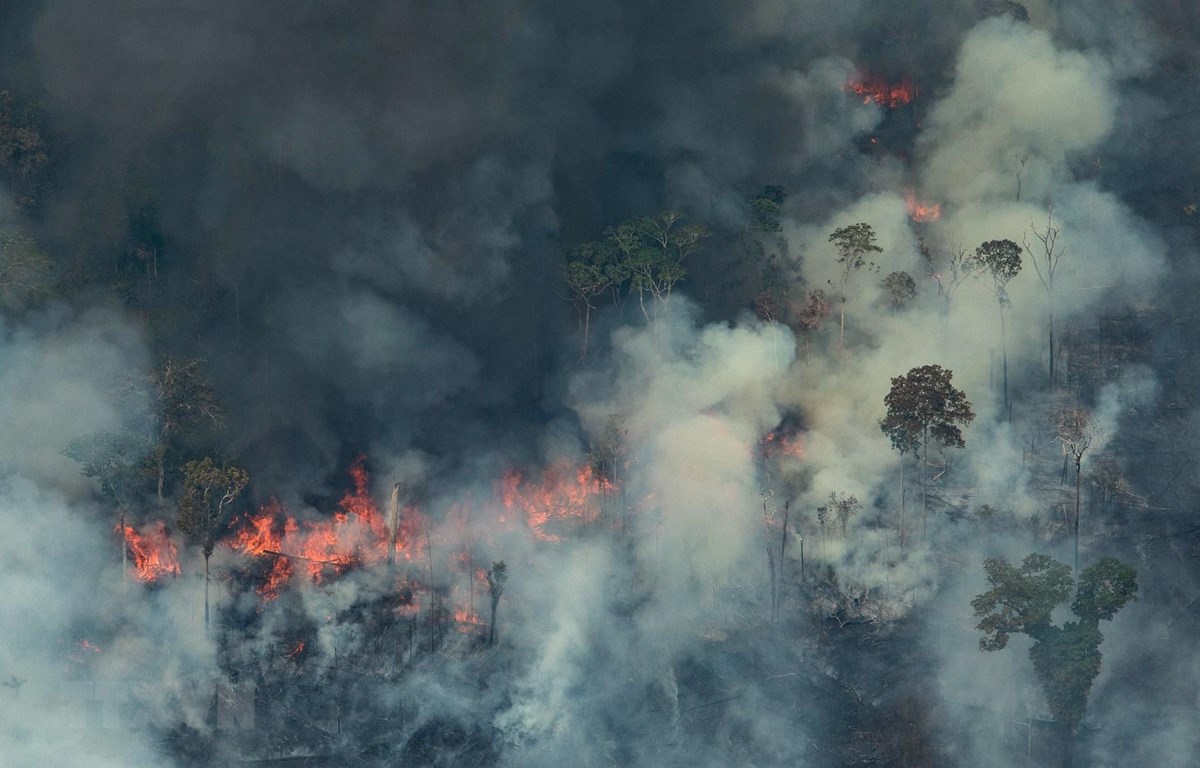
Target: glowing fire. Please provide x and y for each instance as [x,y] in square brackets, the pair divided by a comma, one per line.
[154,554]
[920,212]
[356,534]
[778,444]
[294,654]
[885,94]
[564,494]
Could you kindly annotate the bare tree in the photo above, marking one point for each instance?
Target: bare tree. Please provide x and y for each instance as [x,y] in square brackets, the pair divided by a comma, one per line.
[497,577]
[1077,430]
[1046,254]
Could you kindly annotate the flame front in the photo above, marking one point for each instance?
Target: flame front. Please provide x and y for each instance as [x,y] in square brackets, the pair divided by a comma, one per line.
[885,94]
[565,494]
[776,444]
[154,554]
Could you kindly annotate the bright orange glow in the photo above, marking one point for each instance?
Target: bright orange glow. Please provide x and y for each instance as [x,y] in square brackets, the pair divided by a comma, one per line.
[154,554]
[295,652]
[885,94]
[355,535]
[566,495]
[777,444]
[920,212]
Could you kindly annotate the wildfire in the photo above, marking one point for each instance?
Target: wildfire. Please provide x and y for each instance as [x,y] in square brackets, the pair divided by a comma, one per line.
[564,494]
[294,654]
[776,444]
[356,534]
[920,212]
[885,94]
[154,554]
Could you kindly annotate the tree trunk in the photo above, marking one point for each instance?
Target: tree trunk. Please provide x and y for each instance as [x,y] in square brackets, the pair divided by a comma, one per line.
[492,623]
[1077,513]
[924,483]
[124,551]
[901,501]
[206,591]
[1053,370]
[842,326]
[1004,356]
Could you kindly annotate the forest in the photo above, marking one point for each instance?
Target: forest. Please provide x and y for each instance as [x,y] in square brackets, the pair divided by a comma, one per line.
[532,383]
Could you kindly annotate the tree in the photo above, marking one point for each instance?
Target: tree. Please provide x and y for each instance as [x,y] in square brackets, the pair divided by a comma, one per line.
[854,244]
[1045,263]
[1076,429]
[923,404]
[899,289]
[117,461]
[208,490]
[497,577]
[592,269]
[839,509]
[1002,260]
[652,250]
[1065,659]
[24,152]
[185,401]
[810,316]
[25,272]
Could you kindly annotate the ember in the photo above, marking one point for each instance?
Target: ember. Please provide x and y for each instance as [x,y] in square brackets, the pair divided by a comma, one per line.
[883,93]
[154,554]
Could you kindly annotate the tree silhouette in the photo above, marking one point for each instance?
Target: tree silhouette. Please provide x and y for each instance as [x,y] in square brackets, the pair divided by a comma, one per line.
[1002,260]
[854,244]
[923,404]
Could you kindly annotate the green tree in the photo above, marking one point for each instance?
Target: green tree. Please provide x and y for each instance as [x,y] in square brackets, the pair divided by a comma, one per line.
[854,245]
[652,251]
[208,492]
[592,270]
[497,577]
[24,152]
[185,401]
[1066,659]
[899,289]
[923,404]
[1001,259]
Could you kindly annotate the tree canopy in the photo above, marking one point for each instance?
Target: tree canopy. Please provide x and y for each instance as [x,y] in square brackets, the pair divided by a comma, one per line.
[923,404]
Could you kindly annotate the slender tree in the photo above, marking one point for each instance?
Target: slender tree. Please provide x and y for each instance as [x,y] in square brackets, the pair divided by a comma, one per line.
[1046,254]
[1077,430]
[923,404]
[1001,259]
[208,492]
[854,245]
[497,577]
[591,271]
[810,316]
[185,401]
[899,289]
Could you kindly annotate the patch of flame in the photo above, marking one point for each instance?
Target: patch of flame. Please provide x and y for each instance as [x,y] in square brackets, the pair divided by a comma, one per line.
[885,94]
[920,212]
[776,444]
[154,554]
[354,535]
[565,493]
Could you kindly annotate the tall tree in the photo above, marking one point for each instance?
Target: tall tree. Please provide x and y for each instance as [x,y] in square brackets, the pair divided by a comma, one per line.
[1046,253]
[1066,659]
[208,492]
[184,401]
[652,251]
[592,270]
[922,405]
[1000,259]
[854,245]
[1077,430]
[899,289]
[497,578]
[809,317]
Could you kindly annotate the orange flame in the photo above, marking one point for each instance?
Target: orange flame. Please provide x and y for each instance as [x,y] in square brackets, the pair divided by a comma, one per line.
[154,554]
[564,494]
[885,94]
[922,213]
[777,444]
[295,652]
[357,534]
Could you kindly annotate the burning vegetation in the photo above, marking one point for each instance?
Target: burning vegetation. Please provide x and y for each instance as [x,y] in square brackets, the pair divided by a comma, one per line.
[877,89]
[154,554]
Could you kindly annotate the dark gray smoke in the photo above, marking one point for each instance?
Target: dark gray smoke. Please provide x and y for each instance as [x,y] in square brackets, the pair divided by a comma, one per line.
[354,214]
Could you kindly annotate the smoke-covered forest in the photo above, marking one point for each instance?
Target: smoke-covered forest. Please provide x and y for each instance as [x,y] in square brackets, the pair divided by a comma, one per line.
[523,383]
